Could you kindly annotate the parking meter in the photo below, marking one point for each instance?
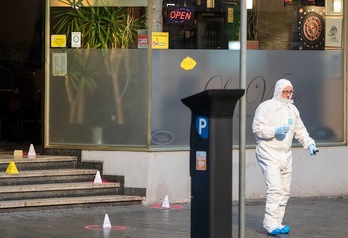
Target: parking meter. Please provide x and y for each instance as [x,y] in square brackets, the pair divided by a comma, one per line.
[211,161]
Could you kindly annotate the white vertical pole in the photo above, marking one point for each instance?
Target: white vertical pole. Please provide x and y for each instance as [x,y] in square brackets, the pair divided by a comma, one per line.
[242,119]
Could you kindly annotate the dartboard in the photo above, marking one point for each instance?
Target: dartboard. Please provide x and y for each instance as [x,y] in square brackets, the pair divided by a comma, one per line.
[312,29]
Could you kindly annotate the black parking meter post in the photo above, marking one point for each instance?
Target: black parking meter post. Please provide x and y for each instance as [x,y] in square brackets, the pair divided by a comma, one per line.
[211,161]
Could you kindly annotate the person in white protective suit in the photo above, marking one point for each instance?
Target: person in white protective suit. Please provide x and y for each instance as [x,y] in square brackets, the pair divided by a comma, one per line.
[276,122]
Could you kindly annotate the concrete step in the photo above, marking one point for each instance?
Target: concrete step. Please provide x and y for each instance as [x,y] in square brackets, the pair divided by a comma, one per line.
[50,182]
[51,203]
[38,162]
[56,190]
[47,176]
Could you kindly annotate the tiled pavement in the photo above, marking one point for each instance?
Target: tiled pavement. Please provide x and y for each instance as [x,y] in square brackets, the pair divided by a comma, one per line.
[308,218]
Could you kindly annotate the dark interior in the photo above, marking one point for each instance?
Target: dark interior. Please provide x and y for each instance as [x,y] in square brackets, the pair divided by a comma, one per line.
[21,74]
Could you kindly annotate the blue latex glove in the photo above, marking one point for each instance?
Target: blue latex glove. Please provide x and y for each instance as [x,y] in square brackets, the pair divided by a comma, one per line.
[312,149]
[281,131]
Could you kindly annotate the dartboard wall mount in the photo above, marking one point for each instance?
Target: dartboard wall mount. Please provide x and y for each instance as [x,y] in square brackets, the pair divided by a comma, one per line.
[311,27]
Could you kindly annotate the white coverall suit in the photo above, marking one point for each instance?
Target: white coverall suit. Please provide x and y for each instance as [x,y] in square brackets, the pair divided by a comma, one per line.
[274,154]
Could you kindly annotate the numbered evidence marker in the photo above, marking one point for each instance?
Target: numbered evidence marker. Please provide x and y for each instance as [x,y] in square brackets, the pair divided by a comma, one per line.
[18,153]
[12,168]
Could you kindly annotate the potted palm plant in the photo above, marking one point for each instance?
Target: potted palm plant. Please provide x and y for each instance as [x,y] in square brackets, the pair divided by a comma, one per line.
[107,28]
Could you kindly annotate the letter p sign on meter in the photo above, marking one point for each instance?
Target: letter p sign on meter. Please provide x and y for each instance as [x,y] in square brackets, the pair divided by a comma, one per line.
[202,126]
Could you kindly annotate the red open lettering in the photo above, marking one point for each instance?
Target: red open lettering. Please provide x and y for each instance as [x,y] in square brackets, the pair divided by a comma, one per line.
[180,14]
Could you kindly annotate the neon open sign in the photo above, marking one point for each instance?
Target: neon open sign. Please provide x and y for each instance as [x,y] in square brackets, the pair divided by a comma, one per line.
[180,15]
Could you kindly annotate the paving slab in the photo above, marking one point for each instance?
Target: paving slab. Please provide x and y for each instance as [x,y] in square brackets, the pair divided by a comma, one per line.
[308,218]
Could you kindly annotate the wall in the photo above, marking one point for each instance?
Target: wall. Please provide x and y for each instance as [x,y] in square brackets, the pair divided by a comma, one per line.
[161,173]
[167,173]
[275,24]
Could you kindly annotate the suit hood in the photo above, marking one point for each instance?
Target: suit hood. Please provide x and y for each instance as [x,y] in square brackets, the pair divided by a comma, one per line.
[279,87]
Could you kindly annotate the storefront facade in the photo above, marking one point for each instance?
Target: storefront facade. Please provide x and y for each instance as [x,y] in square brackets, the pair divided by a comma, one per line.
[114,88]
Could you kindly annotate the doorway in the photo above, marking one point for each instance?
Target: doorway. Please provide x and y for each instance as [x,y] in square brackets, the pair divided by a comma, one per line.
[21,74]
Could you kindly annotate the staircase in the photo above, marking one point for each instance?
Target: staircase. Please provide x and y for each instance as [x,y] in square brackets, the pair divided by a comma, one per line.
[47,182]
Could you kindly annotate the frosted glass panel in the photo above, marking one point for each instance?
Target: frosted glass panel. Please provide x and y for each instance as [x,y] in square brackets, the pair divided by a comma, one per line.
[106,102]
[102,100]
[317,77]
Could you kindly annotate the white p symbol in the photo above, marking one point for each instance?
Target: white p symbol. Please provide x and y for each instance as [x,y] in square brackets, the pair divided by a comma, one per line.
[202,124]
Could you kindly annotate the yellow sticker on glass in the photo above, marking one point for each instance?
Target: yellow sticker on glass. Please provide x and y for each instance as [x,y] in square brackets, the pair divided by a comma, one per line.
[188,63]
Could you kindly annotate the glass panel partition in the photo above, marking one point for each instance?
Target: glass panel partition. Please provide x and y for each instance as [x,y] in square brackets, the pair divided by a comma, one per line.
[301,41]
[98,92]
[317,77]
[98,74]
[101,100]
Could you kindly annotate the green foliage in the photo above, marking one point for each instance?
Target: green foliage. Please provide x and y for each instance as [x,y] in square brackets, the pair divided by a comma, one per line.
[89,68]
[101,27]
